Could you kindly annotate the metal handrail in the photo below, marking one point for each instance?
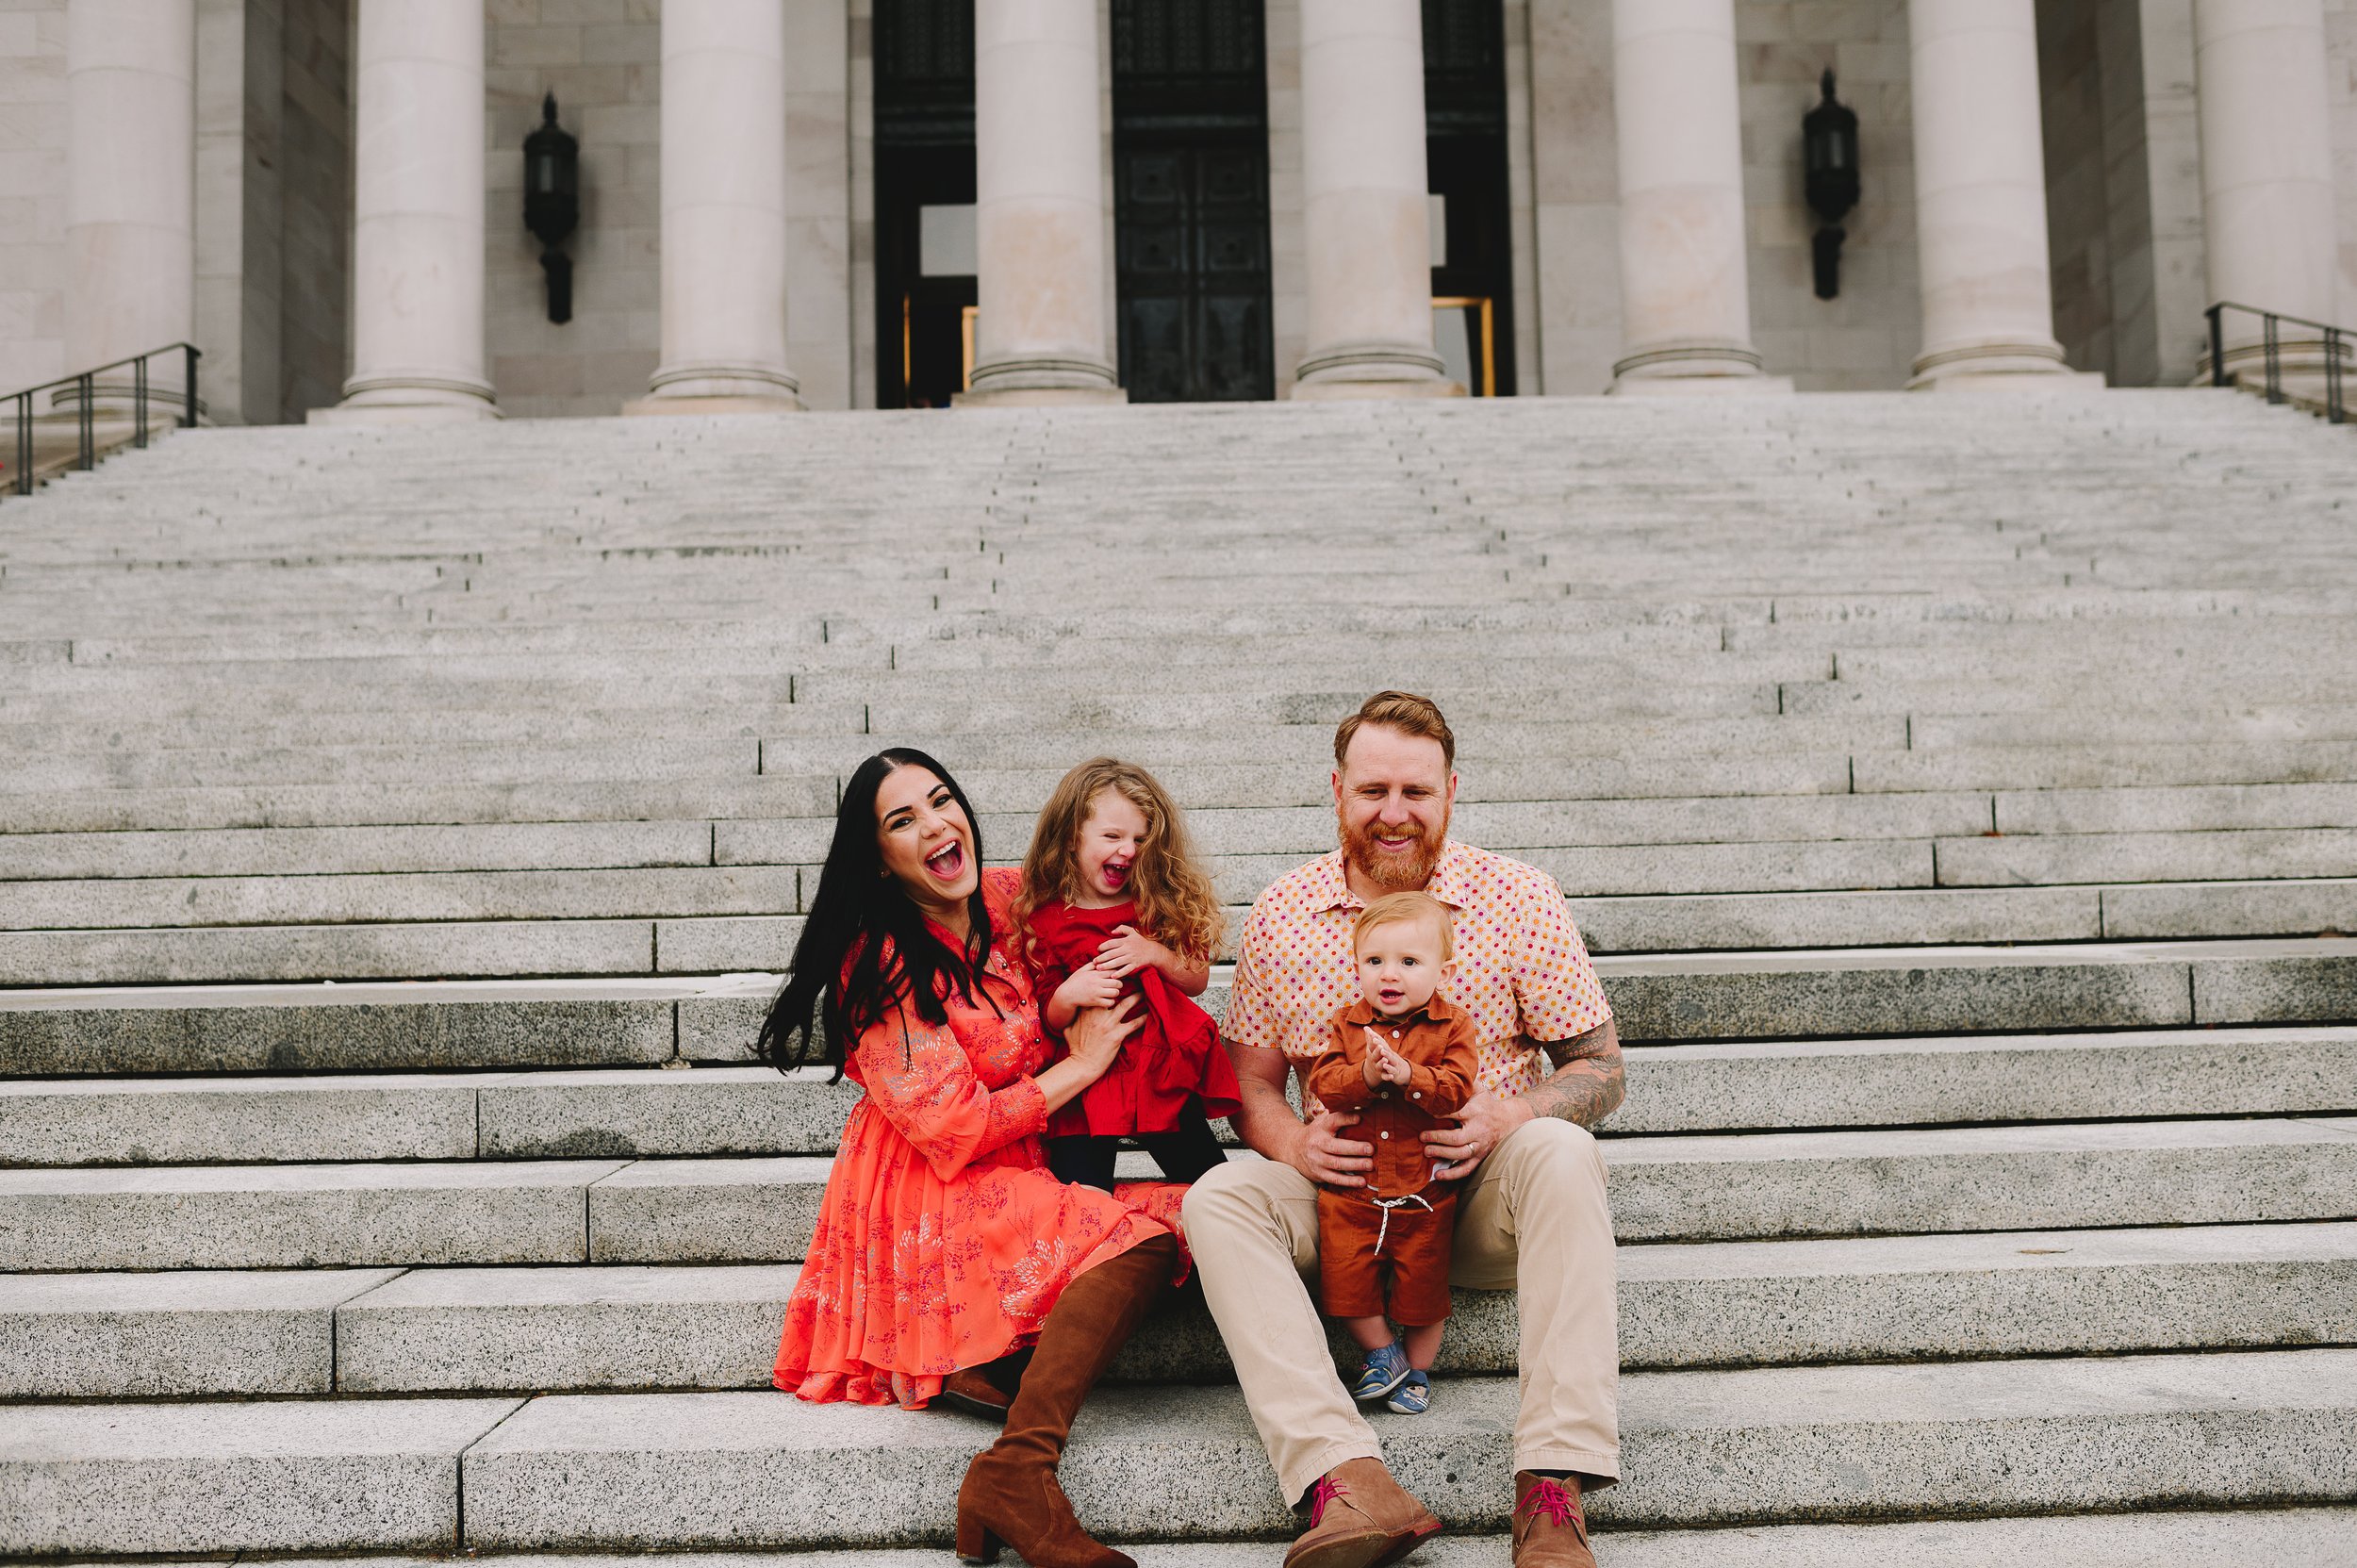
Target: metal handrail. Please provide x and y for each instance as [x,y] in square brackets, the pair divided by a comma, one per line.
[86,382]
[2335,408]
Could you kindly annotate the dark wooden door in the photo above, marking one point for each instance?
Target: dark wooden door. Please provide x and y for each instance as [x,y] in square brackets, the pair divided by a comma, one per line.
[1191,200]
[923,157]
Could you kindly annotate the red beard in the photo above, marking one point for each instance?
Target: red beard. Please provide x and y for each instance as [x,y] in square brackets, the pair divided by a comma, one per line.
[1404,870]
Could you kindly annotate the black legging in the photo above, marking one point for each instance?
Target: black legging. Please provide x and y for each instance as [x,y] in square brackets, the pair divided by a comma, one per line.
[1186,1152]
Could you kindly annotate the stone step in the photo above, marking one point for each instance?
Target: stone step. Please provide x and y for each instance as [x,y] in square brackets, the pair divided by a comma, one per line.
[2153,915]
[606,1021]
[113,1336]
[405,900]
[644,1112]
[1668,1188]
[2313,1537]
[802,839]
[742,1470]
[2271,853]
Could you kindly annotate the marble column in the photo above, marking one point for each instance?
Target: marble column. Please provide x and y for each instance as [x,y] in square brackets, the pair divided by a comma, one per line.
[130,188]
[417,234]
[1685,293]
[1039,198]
[1980,177]
[1365,214]
[723,210]
[2268,219]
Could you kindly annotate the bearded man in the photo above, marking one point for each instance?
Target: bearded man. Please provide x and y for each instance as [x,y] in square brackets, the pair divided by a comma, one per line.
[1531,1215]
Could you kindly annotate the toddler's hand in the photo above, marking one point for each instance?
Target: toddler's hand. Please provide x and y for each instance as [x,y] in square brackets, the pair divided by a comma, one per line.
[1128,950]
[1385,1065]
[1089,987]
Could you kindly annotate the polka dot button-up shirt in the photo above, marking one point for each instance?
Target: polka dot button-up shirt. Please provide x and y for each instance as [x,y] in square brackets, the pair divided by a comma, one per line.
[1522,973]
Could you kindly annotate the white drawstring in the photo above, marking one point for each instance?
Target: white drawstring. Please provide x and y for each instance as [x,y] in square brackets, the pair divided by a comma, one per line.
[1387,1205]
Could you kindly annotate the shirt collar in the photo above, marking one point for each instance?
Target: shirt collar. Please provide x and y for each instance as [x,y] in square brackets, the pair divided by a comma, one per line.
[1449,884]
[1439,1011]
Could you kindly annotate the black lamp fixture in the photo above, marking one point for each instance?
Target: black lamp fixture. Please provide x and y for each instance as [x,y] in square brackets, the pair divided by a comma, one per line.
[1829,154]
[553,203]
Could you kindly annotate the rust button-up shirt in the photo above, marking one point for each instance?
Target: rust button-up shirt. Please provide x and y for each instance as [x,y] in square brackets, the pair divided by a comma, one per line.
[1439,1043]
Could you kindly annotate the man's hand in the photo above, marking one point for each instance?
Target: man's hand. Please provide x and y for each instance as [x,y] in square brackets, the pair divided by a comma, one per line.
[1328,1160]
[1482,1126]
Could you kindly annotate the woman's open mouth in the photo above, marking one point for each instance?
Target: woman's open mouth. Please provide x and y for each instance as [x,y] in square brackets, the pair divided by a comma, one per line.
[948,862]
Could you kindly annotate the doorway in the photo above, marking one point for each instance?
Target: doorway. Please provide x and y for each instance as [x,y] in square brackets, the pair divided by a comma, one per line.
[1464,116]
[924,56]
[1191,200]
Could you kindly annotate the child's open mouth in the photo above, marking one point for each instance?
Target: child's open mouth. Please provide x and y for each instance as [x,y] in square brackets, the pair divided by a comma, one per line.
[948,862]
[1115,874]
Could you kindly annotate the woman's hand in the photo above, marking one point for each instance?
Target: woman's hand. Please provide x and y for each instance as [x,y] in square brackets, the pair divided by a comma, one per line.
[1096,1036]
[1129,950]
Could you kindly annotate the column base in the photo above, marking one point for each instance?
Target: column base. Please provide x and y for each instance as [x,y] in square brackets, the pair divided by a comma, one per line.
[1040,381]
[712,387]
[1708,359]
[667,406]
[1690,386]
[1354,371]
[1996,364]
[1042,397]
[420,401]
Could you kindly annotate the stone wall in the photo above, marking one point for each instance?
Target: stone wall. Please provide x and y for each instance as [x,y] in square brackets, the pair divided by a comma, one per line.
[602,58]
[313,149]
[1864,338]
[32,192]
[1868,336]
[2340,34]
[2078,205]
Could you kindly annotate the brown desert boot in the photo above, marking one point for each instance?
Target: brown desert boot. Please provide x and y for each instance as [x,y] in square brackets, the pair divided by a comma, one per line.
[1360,1518]
[1550,1532]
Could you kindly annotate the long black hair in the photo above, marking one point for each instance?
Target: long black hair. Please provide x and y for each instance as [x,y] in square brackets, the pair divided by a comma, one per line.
[862,915]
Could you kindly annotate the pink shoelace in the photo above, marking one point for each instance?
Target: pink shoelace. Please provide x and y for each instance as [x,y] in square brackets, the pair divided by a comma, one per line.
[1323,1491]
[1549,1500]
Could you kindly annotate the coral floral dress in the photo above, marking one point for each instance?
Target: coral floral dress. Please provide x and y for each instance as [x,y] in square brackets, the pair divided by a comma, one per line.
[942,1241]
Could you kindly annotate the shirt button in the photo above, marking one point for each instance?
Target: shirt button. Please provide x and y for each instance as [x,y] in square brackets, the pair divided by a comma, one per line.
[1415,1093]
[1383,1134]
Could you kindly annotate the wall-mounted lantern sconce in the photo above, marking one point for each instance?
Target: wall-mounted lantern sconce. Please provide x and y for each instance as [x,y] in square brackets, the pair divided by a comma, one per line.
[1829,154]
[553,203]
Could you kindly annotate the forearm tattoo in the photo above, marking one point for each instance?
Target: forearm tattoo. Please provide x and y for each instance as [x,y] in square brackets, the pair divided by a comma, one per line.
[1586,1085]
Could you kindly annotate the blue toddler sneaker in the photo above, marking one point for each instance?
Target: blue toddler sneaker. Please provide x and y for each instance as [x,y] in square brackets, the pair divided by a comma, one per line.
[1412,1397]
[1386,1369]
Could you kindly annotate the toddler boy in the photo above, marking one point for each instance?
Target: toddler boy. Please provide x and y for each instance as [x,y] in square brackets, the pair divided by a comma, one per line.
[1403,1059]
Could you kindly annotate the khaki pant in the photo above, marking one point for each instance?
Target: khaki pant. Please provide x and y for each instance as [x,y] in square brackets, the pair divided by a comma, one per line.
[1532,1220]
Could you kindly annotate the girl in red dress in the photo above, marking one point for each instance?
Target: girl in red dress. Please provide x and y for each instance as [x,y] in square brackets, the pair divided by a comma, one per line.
[1113,906]
[945,1257]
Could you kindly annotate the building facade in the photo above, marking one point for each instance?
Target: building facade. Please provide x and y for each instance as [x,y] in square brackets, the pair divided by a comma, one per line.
[839,204]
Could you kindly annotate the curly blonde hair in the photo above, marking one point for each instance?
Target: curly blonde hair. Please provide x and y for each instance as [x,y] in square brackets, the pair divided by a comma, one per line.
[1177,905]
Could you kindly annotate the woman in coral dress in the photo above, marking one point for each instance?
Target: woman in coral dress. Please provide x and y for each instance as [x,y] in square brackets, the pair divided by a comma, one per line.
[947,1261]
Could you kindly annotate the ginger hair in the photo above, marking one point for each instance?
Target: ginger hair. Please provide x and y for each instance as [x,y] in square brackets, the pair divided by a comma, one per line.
[1404,909]
[1402,711]
[1177,904]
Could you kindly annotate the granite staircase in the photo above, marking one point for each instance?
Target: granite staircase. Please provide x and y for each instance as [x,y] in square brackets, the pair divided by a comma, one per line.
[400,832]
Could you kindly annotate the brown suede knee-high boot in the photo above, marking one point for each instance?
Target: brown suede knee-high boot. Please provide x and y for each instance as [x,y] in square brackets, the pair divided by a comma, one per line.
[1011,1495]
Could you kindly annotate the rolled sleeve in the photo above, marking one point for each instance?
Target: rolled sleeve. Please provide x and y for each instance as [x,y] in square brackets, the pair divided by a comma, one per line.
[1253,1016]
[1555,985]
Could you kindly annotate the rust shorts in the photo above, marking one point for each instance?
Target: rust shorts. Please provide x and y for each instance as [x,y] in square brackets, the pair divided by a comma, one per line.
[1415,1255]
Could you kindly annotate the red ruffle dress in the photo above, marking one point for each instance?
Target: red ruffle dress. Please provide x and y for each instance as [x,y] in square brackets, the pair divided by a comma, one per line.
[942,1239]
[1174,1059]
